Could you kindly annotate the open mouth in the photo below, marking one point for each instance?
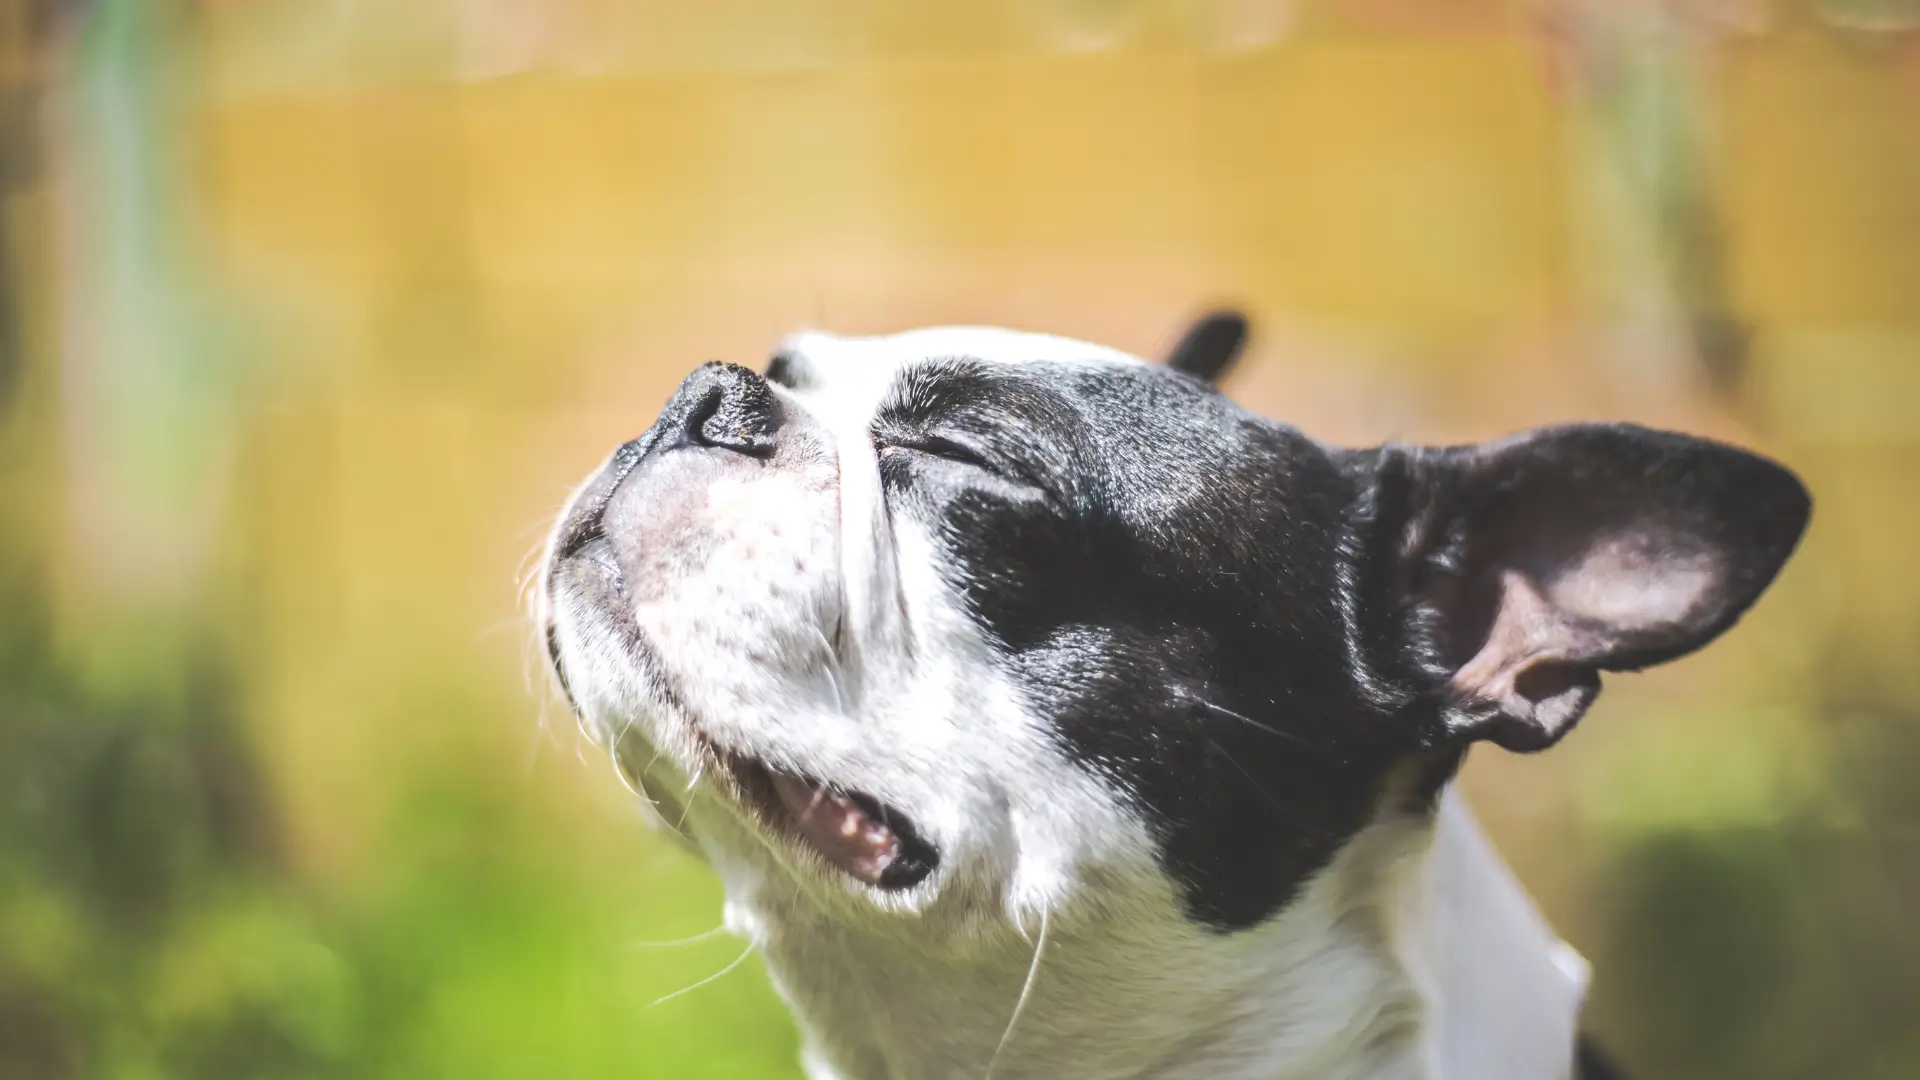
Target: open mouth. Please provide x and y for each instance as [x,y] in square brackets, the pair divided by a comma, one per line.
[865,838]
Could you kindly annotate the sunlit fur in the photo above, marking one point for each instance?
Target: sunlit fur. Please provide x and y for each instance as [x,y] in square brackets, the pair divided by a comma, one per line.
[1412,955]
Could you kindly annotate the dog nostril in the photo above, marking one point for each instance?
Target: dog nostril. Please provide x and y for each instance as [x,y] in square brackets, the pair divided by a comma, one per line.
[701,428]
[732,409]
[722,406]
[733,429]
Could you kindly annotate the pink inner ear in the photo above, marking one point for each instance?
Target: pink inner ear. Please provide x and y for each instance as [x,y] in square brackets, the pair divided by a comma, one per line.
[1574,551]
[1529,667]
[1525,630]
[1618,587]
[1620,582]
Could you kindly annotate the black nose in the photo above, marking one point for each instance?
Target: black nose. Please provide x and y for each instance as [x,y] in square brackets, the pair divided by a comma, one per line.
[724,406]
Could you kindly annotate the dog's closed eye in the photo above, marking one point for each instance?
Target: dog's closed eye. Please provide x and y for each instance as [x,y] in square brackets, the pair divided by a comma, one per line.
[936,446]
[1007,473]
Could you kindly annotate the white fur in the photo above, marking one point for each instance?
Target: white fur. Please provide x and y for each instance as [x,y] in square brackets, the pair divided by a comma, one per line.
[1413,955]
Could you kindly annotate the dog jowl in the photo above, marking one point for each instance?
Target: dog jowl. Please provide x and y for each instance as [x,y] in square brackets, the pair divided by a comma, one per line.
[1044,713]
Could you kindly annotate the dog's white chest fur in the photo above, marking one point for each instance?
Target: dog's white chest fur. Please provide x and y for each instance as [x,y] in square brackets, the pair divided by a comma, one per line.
[1415,956]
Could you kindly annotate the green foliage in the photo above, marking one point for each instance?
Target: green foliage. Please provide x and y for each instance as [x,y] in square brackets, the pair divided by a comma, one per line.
[152,927]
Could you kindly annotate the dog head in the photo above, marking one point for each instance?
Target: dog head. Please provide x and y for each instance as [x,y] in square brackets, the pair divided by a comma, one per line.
[944,629]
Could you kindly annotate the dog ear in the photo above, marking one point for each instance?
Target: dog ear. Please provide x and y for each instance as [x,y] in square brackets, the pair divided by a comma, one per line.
[1532,564]
[1210,346]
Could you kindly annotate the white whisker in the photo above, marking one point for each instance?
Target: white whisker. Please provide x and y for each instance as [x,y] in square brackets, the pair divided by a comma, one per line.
[1026,992]
[681,825]
[620,775]
[833,677]
[1251,722]
[707,935]
[529,586]
[722,973]
[1286,811]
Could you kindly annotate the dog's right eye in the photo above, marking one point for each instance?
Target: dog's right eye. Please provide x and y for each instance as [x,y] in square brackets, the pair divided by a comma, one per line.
[901,454]
[937,447]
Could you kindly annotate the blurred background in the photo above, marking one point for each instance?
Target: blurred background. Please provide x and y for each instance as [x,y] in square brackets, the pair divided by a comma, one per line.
[312,311]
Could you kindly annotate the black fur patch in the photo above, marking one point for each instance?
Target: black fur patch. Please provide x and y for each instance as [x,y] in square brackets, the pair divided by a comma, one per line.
[1167,579]
[1246,631]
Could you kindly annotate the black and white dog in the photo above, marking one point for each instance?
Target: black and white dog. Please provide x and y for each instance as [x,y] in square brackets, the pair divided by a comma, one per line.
[1047,715]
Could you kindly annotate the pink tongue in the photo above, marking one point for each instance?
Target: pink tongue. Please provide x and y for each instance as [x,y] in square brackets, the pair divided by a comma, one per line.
[838,828]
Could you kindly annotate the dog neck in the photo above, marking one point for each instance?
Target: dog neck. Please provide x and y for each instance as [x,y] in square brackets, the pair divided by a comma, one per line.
[1414,956]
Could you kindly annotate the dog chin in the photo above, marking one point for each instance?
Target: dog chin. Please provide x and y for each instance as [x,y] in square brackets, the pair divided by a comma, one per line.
[800,813]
